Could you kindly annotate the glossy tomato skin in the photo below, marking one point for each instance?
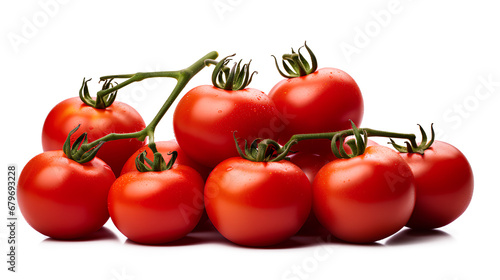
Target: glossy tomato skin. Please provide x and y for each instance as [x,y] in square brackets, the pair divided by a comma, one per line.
[444,184]
[311,163]
[323,101]
[165,147]
[206,117]
[117,118]
[63,199]
[257,203]
[365,198]
[157,207]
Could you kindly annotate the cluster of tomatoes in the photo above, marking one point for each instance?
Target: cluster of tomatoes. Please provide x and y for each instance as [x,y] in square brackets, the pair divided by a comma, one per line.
[255,199]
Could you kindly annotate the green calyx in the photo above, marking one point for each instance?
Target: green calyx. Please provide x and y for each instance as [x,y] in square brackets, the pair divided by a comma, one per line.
[101,102]
[357,144]
[144,164]
[266,150]
[235,78]
[411,148]
[79,151]
[296,65]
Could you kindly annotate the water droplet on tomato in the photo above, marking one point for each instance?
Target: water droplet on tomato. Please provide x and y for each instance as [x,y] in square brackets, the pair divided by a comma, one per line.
[229,168]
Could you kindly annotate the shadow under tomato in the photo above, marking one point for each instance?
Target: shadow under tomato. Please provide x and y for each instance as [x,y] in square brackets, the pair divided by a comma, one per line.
[184,241]
[411,236]
[311,240]
[205,225]
[100,235]
[208,235]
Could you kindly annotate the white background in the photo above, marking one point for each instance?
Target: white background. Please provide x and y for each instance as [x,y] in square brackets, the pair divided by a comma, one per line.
[415,62]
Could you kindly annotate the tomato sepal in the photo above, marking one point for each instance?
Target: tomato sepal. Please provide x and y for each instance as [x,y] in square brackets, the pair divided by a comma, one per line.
[236,78]
[266,150]
[357,144]
[79,151]
[144,164]
[101,102]
[420,149]
[296,65]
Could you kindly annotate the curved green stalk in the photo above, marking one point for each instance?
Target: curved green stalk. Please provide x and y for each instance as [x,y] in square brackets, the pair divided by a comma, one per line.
[260,151]
[182,76]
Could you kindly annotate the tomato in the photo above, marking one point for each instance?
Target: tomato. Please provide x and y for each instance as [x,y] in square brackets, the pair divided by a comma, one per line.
[117,118]
[444,183]
[157,207]
[365,198]
[64,199]
[311,163]
[257,203]
[207,116]
[165,147]
[323,101]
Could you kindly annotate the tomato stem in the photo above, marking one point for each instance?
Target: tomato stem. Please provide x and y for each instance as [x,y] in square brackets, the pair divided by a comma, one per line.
[182,76]
[270,151]
[370,133]
[339,136]
[143,164]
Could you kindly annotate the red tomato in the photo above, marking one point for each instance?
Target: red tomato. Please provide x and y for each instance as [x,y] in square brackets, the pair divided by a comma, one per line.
[365,198]
[257,203]
[311,163]
[444,183]
[323,101]
[165,147]
[117,118]
[157,207]
[206,117]
[64,199]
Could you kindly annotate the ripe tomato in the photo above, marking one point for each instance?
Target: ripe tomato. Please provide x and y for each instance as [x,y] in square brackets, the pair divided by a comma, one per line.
[257,203]
[206,117]
[311,163]
[157,207]
[117,118]
[323,101]
[165,147]
[444,184]
[365,198]
[64,199]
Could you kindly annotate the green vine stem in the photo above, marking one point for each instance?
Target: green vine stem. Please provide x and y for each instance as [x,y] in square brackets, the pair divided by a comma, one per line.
[182,76]
[411,144]
[270,150]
